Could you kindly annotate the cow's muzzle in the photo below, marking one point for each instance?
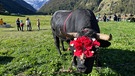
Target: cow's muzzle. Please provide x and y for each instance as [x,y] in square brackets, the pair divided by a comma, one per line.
[81,69]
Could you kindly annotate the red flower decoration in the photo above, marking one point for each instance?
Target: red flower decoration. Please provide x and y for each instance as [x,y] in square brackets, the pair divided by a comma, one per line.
[84,45]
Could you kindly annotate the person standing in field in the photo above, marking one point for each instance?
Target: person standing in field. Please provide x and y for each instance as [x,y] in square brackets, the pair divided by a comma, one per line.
[21,24]
[38,24]
[1,21]
[18,24]
[104,18]
[28,24]
[115,18]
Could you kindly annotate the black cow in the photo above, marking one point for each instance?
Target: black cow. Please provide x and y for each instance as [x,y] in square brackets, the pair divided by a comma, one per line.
[66,25]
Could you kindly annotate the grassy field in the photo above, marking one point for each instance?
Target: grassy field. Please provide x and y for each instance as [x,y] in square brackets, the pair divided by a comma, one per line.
[32,53]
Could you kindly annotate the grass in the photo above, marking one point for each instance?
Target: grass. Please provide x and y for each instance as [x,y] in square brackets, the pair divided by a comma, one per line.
[33,53]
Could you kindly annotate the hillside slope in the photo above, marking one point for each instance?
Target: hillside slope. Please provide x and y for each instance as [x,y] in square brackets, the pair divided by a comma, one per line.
[53,5]
[26,5]
[17,6]
[101,6]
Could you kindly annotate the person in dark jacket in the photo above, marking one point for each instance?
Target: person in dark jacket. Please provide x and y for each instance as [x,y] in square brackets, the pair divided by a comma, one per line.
[18,24]
[115,17]
[104,18]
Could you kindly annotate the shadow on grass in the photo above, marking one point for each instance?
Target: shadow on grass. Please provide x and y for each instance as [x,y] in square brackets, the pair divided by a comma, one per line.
[5,59]
[120,61]
[24,30]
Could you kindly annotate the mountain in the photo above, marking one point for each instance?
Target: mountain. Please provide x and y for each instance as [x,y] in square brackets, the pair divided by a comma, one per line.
[37,4]
[117,6]
[52,5]
[98,6]
[25,4]
[17,6]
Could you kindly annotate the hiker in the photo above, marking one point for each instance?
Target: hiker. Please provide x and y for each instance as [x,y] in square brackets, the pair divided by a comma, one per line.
[98,17]
[18,24]
[28,24]
[119,17]
[104,18]
[38,24]
[1,21]
[21,24]
[115,18]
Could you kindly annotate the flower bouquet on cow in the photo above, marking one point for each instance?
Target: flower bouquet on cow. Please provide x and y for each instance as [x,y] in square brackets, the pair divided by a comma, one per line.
[84,48]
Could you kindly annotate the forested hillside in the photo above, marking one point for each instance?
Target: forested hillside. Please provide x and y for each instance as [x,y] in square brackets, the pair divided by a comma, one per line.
[16,6]
[53,5]
[1,9]
[26,5]
[101,6]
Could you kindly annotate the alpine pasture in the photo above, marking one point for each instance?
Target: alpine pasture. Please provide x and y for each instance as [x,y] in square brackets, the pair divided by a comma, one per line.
[33,53]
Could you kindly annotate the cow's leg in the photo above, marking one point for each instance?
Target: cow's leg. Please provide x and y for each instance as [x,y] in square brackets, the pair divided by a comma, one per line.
[57,43]
[97,60]
[62,43]
[98,63]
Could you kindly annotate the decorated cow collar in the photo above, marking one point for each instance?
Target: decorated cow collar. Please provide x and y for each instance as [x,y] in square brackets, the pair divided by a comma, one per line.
[83,46]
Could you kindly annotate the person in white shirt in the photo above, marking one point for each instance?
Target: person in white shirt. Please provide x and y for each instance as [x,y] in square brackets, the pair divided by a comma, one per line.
[28,24]
[38,24]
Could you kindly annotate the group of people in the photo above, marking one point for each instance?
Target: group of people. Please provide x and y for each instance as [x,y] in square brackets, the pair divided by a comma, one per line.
[20,24]
[106,18]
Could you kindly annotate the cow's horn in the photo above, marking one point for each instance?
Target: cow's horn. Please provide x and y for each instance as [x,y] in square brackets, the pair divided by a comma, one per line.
[74,34]
[69,35]
[104,37]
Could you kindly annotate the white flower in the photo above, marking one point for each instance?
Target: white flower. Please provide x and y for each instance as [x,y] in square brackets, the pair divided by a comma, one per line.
[75,38]
[93,39]
[92,51]
[71,44]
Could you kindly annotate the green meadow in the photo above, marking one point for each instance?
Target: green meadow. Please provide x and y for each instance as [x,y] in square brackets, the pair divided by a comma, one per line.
[33,53]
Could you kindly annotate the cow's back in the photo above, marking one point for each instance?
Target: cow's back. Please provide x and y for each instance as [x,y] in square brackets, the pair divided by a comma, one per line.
[78,20]
[81,19]
[59,17]
[57,21]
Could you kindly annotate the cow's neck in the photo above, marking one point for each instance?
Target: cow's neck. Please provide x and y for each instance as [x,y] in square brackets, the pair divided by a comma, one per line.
[64,26]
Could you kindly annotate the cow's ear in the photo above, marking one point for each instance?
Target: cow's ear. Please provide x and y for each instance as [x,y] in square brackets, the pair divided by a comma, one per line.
[88,32]
[104,43]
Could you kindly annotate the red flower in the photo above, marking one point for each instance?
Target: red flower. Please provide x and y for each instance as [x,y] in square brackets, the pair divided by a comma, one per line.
[84,45]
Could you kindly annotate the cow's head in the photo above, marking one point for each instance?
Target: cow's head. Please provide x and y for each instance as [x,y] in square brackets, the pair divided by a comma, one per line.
[84,47]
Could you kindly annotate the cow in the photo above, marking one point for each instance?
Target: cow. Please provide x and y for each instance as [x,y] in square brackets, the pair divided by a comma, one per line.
[67,25]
